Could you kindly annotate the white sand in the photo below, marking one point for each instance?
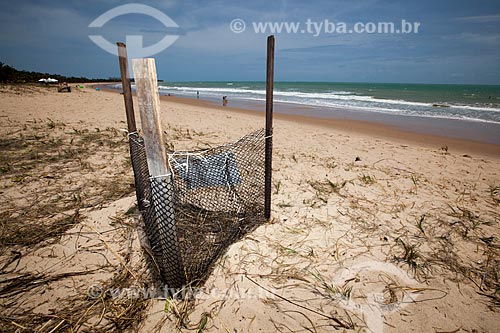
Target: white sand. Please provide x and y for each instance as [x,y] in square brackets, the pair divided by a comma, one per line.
[334,240]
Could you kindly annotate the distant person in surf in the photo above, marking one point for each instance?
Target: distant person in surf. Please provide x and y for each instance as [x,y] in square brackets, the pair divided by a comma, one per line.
[197,94]
[224,100]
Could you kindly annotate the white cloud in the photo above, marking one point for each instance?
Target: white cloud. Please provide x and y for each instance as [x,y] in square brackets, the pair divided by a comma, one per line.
[492,39]
[479,19]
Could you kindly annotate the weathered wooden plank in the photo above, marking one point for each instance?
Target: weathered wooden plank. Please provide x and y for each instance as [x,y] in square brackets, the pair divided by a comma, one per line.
[148,100]
[162,190]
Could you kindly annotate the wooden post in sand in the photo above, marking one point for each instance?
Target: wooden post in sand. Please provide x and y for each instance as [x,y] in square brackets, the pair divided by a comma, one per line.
[131,126]
[127,90]
[269,125]
[170,260]
[149,109]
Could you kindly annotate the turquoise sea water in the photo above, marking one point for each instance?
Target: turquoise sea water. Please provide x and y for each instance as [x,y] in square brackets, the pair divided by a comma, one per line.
[478,103]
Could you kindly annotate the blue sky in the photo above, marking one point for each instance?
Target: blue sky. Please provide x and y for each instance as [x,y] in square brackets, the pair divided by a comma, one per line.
[458,41]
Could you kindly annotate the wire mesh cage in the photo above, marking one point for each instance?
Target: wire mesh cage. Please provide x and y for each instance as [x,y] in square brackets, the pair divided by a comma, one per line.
[211,199]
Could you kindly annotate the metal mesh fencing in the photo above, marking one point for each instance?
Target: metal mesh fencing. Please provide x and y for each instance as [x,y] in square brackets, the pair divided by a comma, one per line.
[212,199]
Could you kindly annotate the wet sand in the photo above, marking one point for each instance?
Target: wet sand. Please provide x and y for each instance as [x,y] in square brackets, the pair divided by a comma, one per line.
[459,136]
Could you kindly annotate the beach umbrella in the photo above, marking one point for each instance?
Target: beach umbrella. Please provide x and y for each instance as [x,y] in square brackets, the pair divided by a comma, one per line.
[51,80]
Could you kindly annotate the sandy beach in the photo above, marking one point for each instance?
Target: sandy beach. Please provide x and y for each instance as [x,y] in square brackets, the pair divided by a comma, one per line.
[373,228]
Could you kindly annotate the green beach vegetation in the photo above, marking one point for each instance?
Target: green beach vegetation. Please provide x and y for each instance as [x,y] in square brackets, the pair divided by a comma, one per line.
[9,74]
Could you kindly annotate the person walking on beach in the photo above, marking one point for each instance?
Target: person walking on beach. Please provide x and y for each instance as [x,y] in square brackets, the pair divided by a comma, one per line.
[224,100]
[198,94]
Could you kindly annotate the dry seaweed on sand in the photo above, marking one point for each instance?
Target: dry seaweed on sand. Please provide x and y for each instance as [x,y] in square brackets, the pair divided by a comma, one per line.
[50,173]
[105,313]
[93,303]
[52,176]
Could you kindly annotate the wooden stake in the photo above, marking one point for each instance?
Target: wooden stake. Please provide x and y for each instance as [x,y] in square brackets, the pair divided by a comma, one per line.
[127,90]
[148,99]
[129,111]
[269,125]
[162,188]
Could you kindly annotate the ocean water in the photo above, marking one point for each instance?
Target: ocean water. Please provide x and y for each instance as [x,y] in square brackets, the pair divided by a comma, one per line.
[479,103]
